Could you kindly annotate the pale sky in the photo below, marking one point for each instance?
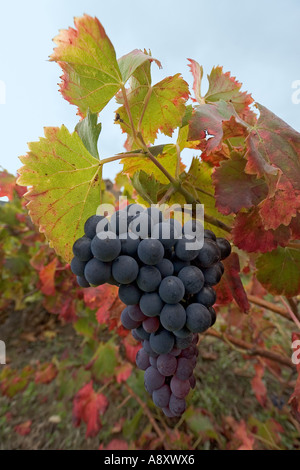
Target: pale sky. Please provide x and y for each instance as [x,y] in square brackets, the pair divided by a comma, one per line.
[257,41]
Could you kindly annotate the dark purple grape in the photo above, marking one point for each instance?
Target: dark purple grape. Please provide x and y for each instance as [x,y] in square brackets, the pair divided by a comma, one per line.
[153,379]
[161,396]
[177,405]
[171,290]
[166,364]
[224,247]
[173,317]
[142,359]
[180,388]
[136,313]
[151,324]
[82,249]
[184,368]
[198,318]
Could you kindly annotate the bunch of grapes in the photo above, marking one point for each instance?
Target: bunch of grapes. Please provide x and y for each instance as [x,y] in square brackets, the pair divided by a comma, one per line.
[166,281]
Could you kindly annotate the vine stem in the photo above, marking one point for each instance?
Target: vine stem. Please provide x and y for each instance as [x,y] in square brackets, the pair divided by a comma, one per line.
[249,349]
[127,107]
[291,313]
[269,306]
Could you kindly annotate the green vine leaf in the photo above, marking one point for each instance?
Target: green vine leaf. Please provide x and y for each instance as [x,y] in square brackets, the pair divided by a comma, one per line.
[130,62]
[91,75]
[167,157]
[89,130]
[199,181]
[147,186]
[279,271]
[153,108]
[64,180]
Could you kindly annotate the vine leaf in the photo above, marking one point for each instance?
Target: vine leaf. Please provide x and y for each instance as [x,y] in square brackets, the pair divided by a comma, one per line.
[224,87]
[146,185]
[279,271]
[197,72]
[89,130]
[233,280]
[250,235]
[167,157]
[64,187]
[130,62]
[153,108]
[91,75]
[235,189]
[208,124]
[88,406]
[199,177]
[273,151]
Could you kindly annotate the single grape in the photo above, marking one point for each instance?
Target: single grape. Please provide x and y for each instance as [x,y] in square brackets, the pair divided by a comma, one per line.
[165,267]
[187,250]
[177,405]
[91,225]
[171,290]
[198,318]
[148,279]
[192,381]
[166,364]
[129,294]
[209,253]
[136,313]
[127,321]
[96,272]
[209,234]
[213,315]
[173,317]
[180,388]
[151,304]
[77,266]
[168,413]
[151,324]
[125,269]
[150,251]
[207,296]
[82,282]
[82,249]
[162,341]
[153,379]
[142,359]
[224,247]
[106,246]
[212,275]
[192,278]
[161,396]
[184,368]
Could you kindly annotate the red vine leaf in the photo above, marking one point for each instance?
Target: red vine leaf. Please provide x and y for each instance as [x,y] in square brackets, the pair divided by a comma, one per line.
[87,407]
[235,189]
[47,275]
[46,373]
[232,277]
[250,235]
[273,153]
[258,386]
[8,186]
